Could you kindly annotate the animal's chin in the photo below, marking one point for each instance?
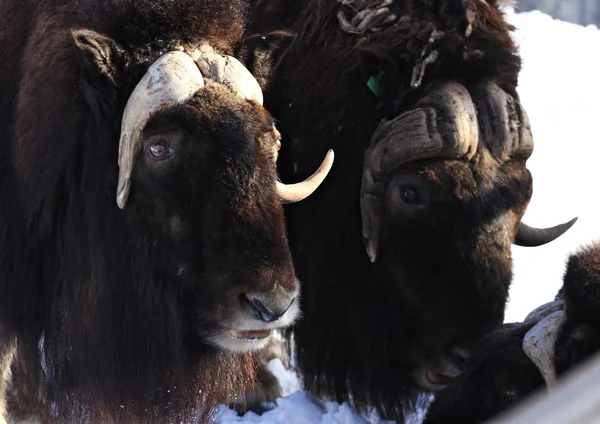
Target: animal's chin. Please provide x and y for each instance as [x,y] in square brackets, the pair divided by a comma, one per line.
[241,341]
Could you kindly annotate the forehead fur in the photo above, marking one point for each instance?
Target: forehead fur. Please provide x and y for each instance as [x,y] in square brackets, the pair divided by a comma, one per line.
[581,281]
[485,51]
[134,23]
[224,112]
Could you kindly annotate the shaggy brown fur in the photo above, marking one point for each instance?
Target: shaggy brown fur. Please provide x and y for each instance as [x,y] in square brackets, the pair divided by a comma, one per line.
[445,277]
[7,352]
[579,336]
[112,308]
[266,388]
[498,376]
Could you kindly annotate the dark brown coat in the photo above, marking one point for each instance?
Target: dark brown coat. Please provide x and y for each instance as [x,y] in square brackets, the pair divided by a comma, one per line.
[371,331]
[108,315]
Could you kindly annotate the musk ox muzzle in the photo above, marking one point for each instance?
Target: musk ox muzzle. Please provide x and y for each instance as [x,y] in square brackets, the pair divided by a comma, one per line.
[444,125]
[173,79]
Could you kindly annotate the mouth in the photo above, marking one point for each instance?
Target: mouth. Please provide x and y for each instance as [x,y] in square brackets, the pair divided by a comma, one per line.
[243,333]
[432,380]
[437,379]
[241,341]
[442,371]
[248,336]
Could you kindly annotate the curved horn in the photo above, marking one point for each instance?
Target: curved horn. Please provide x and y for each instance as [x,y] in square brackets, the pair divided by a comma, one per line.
[532,237]
[538,345]
[506,132]
[172,79]
[229,71]
[503,122]
[543,311]
[291,193]
[442,125]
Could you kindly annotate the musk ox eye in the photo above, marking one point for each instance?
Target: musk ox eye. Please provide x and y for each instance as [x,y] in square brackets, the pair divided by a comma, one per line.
[511,393]
[159,150]
[410,195]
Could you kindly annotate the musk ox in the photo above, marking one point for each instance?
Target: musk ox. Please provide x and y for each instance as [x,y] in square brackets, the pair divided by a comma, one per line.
[511,363]
[143,250]
[579,335]
[498,375]
[408,259]
[503,370]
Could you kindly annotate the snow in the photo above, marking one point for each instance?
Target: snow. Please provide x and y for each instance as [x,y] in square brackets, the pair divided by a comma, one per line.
[560,90]
[297,408]
[288,379]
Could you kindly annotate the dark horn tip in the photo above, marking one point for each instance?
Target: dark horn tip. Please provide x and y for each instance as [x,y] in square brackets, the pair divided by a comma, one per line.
[533,237]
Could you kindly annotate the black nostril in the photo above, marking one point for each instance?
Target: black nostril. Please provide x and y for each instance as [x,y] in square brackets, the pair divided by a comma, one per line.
[461,356]
[262,312]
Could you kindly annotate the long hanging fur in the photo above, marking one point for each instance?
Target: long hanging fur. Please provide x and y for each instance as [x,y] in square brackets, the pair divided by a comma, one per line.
[358,338]
[82,288]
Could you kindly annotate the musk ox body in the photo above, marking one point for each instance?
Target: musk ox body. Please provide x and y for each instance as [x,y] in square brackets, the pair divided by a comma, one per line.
[408,258]
[143,250]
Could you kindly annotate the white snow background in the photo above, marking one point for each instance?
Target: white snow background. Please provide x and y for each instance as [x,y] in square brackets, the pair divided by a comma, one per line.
[560,90]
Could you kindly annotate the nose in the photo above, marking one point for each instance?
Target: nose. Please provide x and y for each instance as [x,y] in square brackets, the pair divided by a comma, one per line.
[445,367]
[453,363]
[268,309]
[461,356]
[453,366]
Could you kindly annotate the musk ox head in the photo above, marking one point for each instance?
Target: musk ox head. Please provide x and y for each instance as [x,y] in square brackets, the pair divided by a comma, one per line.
[505,367]
[197,169]
[497,376]
[445,125]
[516,360]
[578,336]
[443,191]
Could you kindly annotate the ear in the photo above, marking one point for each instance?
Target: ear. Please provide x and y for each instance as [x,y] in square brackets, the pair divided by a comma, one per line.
[100,56]
[102,62]
[260,54]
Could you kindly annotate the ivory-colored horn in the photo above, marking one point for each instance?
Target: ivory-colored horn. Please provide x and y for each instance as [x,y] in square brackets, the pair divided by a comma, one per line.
[171,79]
[292,193]
[538,345]
[441,125]
[231,72]
[543,311]
[503,122]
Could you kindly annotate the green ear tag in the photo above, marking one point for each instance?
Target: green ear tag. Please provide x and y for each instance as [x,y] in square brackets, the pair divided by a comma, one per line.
[374,86]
